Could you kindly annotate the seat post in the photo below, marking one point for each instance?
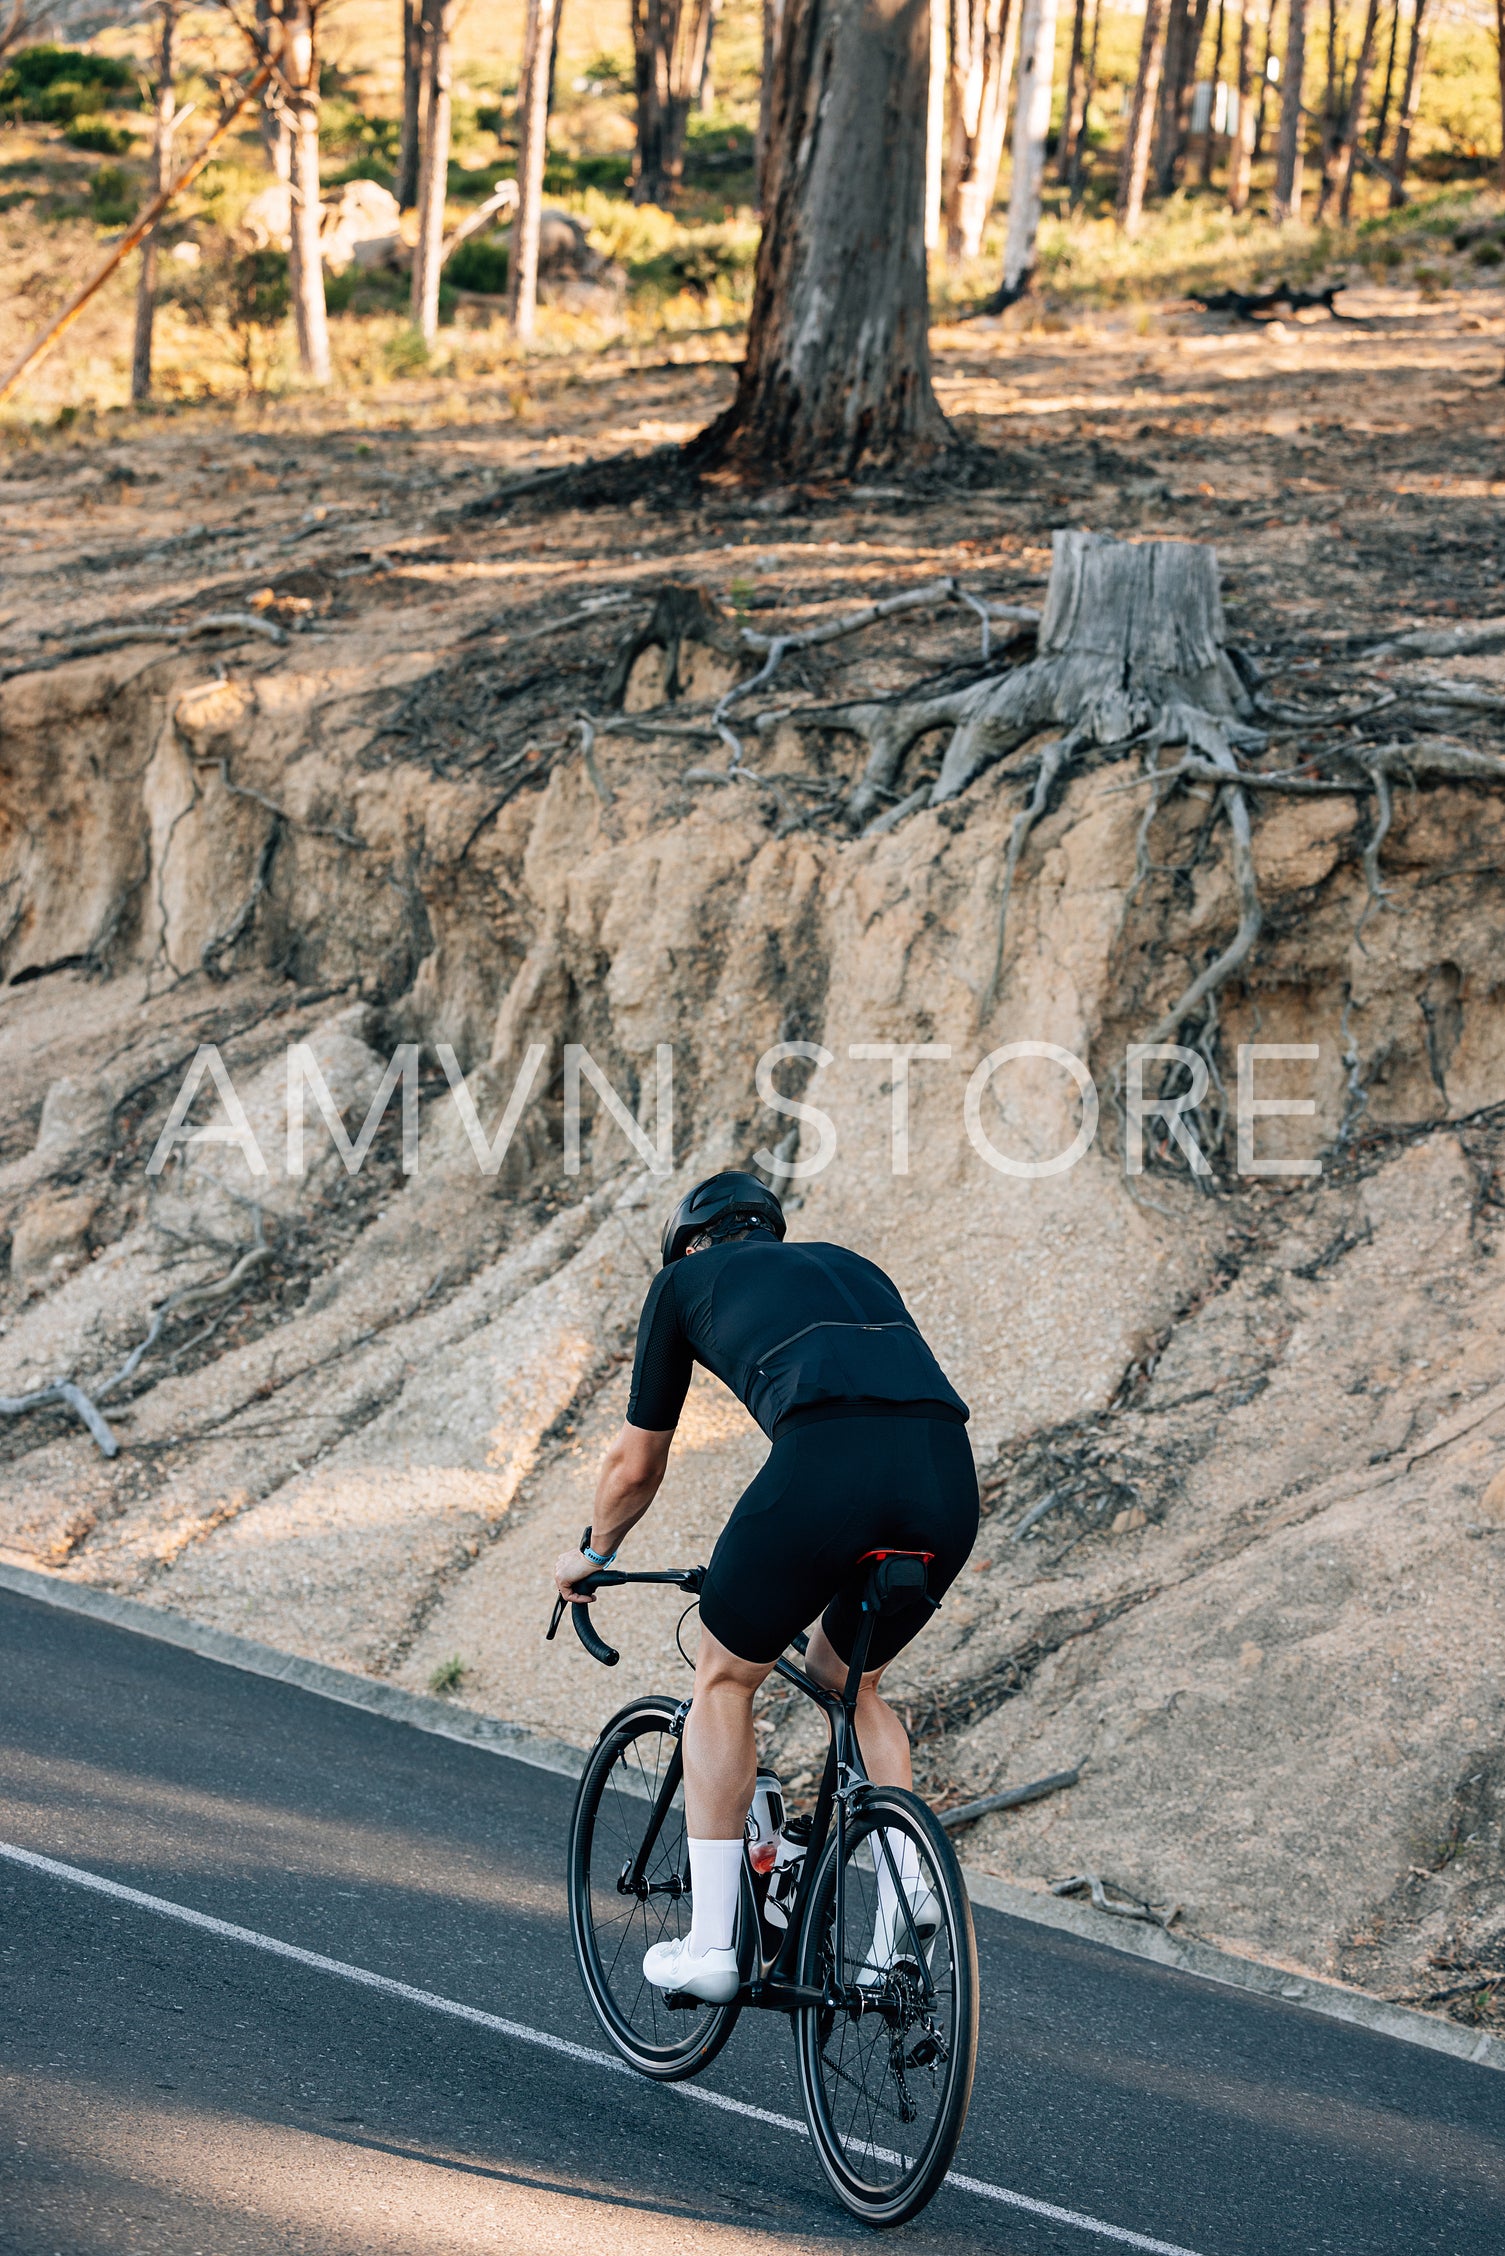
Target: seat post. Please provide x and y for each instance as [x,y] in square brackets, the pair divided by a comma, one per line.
[861,1646]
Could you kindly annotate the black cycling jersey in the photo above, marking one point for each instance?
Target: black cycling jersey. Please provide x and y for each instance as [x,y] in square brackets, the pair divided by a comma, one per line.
[793,1330]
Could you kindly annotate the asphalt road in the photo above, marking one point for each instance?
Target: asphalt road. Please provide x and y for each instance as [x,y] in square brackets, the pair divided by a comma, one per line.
[170,2089]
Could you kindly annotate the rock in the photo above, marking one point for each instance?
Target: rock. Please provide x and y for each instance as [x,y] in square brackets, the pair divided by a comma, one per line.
[214,717]
[362,213]
[1491,1505]
[52,1233]
[77,1116]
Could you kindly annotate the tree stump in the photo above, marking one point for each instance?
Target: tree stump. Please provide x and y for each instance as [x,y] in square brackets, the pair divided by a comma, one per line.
[1131,645]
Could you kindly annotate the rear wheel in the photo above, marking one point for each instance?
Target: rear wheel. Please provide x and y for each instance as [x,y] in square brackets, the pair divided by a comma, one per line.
[886,2064]
[614,1921]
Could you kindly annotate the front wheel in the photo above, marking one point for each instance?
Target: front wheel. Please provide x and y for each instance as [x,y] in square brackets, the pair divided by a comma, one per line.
[633,1770]
[886,2063]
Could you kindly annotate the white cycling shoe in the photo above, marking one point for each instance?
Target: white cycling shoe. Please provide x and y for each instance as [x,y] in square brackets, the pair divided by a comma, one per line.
[713,1977]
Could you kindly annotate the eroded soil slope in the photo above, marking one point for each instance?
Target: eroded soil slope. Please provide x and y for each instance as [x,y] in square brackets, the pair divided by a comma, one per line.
[1257,1428]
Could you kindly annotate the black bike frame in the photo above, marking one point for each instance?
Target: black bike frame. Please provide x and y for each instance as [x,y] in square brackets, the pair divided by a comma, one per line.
[843,1776]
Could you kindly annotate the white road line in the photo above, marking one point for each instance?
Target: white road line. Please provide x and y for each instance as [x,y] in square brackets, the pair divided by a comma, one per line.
[521,2033]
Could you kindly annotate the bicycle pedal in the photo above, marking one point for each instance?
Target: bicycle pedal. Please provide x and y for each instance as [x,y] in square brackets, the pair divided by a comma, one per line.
[682,2001]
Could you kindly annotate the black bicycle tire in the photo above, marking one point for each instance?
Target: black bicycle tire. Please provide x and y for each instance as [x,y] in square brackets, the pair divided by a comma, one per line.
[665,2064]
[920,2185]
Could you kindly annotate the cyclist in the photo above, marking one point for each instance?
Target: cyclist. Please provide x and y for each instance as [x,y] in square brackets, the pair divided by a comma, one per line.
[869,1452]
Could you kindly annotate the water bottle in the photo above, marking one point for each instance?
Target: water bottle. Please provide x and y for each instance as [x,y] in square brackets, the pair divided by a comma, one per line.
[765,1822]
[784,1880]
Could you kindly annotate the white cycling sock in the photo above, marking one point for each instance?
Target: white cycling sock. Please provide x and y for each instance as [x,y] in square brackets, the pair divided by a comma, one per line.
[715,1884]
[891,1938]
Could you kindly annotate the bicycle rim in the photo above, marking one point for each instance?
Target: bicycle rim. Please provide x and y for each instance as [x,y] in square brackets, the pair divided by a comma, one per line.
[886,2073]
[611,1928]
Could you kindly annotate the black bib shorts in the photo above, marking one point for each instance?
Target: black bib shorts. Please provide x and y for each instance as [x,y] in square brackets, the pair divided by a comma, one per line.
[840,1481]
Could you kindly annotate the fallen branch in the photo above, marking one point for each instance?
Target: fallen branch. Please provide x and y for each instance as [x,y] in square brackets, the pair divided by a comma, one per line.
[1250,305]
[142,225]
[1134,1908]
[502,198]
[85,1405]
[1013,1797]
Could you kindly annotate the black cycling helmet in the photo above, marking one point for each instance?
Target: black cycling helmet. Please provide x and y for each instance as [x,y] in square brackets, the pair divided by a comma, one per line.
[720,1203]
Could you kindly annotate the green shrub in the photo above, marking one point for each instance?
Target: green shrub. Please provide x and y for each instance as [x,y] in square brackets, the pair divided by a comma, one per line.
[112,197]
[1488,253]
[407,353]
[103,140]
[479,265]
[54,85]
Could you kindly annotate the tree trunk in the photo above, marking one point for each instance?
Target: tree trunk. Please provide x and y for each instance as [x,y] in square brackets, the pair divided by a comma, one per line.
[1212,108]
[669,42]
[1134,165]
[1334,112]
[1175,100]
[1382,119]
[1089,88]
[773,17]
[705,93]
[1074,114]
[935,124]
[1264,81]
[272,119]
[1132,635]
[1037,57]
[1288,148]
[1410,102]
[433,177]
[300,71]
[1358,103]
[410,143]
[1241,147]
[837,369]
[157,179]
[984,35]
[533,140]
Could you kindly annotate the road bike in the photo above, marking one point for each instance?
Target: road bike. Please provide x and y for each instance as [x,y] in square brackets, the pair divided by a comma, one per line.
[865,1941]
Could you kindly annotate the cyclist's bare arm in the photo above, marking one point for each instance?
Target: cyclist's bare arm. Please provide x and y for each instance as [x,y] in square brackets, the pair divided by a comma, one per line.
[631,1475]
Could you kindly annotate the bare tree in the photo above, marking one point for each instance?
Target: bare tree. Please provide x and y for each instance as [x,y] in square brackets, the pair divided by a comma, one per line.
[1209,139]
[837,367]
[16,28]
[980,68]
[1382,115]
[1089,88]
[773,17]
[1076,94]
[433,176]
[1288,147]
[298,66]
[1351,126]
[158,177]
[935,123]
[1241,145]
[1183,45]
[532,148]
[410,139]
[1037,55]
[272,114]
[1410,102]
[1134,164]
[669,46]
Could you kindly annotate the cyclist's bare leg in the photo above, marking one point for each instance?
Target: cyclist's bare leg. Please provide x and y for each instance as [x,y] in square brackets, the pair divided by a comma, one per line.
[880,1734]
[721,1757]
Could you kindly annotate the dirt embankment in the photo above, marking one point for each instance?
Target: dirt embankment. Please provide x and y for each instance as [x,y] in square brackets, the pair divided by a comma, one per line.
[1257,1428]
